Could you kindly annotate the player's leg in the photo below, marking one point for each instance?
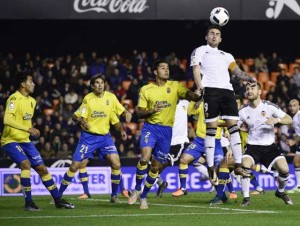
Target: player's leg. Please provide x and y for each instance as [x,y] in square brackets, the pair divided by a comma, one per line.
[84,150]
[84,179]
[258,189]
[162,185]
[124,192]
[184,161]
[160,157]
[51,187]
[154,170]
[247,163]
[223,174]
[201,167]
[192,153]
[283,169]
[212,110]
[211,129]
[173,157]
[114,161]
[68,176]
[147,141]
[141,171]
[38,165]
[296,164]
[235,144]
[17,152]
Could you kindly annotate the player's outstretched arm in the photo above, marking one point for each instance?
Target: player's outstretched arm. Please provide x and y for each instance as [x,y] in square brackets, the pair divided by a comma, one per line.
[118,126]
[243,75]
[144,113]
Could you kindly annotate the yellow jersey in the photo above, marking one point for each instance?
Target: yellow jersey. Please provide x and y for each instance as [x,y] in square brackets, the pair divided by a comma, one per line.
[201,125]
[167,96]
[22,108]
[99,112]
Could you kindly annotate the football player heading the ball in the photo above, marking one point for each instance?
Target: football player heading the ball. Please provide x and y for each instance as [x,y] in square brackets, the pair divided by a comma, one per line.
[211,68]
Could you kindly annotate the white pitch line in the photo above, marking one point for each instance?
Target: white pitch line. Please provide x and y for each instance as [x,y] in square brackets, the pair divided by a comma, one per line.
[198,207]
[117,215]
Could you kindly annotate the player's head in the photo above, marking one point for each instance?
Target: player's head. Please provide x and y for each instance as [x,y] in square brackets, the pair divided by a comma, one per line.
[213,35]
[294,106]
[253,91]
[25,82]
[160,69]
[97,83]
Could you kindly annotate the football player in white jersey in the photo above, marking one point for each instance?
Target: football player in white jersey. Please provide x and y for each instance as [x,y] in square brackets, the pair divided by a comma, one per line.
[179,141]
[260,117]
[211,68]
[294,109]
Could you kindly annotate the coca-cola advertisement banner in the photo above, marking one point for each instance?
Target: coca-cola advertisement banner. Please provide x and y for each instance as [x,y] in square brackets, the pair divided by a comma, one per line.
[149,9]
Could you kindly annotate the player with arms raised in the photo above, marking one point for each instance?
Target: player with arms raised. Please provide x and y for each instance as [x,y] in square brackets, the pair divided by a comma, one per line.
[211,68]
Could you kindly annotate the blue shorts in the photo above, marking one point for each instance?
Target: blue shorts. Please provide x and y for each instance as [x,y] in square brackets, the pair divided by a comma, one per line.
[157,137]
[88,143]
[19,152]
[197,149]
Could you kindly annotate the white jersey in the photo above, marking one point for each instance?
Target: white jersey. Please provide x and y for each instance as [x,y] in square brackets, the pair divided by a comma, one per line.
[259,133]
[296,123]
[180,127]
[214,65]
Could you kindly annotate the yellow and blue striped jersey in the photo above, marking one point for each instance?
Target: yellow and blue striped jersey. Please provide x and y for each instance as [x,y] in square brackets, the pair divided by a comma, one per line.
[99,112]
[22,108]
[201,126]
[167,96]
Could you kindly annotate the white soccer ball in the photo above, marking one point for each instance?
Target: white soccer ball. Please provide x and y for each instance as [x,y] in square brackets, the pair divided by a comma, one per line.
[219,16]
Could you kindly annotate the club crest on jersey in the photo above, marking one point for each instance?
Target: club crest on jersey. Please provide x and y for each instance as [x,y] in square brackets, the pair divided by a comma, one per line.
[11,106]
[107,102]
[168,90]
[263,113]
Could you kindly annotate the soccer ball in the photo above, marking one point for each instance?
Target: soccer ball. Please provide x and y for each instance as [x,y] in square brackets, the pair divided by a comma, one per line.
[219,16]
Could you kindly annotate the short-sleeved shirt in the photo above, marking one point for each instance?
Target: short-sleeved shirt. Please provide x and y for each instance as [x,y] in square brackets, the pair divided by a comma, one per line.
[259,133]
[22,108]
[100,112]
[180,127]
[215,65]
[167,96]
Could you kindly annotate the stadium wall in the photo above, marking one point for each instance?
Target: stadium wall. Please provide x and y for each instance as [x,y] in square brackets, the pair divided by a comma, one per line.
[149,9]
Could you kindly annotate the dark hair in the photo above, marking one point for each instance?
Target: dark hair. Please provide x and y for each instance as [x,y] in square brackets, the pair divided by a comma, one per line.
[22,77]
[213,26]
[156,64]
[251,84]
[95,77]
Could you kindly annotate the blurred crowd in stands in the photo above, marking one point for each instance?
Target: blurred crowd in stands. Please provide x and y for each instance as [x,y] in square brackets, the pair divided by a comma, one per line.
[62,82]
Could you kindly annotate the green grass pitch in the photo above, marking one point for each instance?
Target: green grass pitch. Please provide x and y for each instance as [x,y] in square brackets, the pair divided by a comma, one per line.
[193,209]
